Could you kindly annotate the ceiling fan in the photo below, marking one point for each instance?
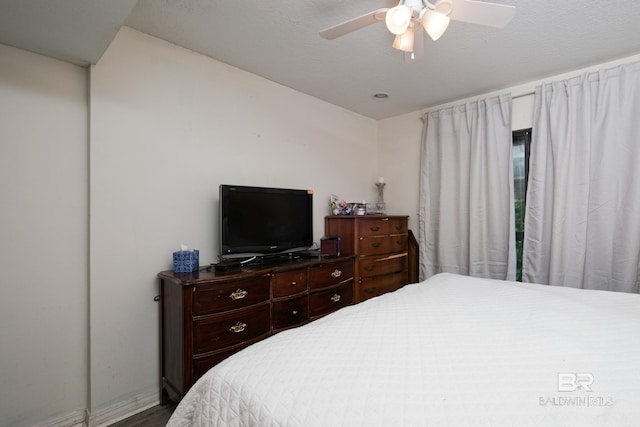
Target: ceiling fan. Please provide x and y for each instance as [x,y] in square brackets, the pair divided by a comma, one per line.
[409,16]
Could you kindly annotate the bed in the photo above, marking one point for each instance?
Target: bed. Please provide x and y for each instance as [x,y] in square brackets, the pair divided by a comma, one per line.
[449,351]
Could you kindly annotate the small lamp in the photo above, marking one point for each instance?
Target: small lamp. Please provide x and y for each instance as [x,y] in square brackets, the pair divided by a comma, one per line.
[381,206]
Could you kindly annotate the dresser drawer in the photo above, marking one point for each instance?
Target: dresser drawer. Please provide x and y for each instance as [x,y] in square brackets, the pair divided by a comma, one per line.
[377,266]
[382,226]
[376,245]
[330,274]
[378,285]
[215,298]
[328,301]
[231,328]
[202,364]
[398,226]
[289,313]
[289,283]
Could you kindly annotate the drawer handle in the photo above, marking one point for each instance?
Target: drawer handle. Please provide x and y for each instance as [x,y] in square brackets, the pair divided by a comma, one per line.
[293,283]
[376,244]
[239,294]
[374,228]
[294,312]
[370,267]
[238,327]
[336,273]
[335,298]
[369,290]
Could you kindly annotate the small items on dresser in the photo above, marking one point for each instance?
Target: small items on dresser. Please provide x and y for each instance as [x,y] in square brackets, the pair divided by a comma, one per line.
[185,260]
[337,205]
[330,246]
[381,206]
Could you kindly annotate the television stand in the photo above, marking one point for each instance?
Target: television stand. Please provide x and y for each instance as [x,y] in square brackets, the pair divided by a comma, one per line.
[306,254]
[267,259]
[271,258]
[227,265]
[208,315]
[259,260]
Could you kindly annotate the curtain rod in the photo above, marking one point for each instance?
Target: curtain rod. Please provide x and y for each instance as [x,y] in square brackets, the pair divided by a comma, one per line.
[520,95]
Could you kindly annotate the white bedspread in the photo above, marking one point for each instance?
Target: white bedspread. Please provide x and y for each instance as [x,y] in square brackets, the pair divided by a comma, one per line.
[450,351]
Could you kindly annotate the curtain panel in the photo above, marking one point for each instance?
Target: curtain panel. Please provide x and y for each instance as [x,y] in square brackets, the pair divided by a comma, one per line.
[466,211]
[582,220]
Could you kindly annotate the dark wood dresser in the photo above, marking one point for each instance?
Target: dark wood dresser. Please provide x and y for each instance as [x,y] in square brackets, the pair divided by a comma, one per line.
[206,316]
[380,244]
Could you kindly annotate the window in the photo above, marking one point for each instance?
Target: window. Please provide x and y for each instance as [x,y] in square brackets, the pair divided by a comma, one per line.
[521,150]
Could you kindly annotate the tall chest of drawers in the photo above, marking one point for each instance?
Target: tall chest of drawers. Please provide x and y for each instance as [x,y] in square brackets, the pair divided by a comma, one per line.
[380,244]
[207,316]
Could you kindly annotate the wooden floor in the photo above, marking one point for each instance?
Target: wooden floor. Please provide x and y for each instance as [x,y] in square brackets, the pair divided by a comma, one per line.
[152,417]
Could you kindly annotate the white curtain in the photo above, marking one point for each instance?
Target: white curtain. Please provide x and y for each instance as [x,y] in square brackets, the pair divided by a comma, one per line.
[466,213]
[582,221]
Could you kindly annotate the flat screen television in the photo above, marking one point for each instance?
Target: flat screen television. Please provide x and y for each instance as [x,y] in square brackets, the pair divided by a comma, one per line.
[261,220]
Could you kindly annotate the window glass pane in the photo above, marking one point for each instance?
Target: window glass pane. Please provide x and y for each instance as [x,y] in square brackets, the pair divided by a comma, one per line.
[519,244]
[519,181]
[521,145]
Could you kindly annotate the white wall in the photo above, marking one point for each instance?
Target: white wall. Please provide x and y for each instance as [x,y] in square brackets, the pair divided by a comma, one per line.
[43,239]
[167,127]
[399,163]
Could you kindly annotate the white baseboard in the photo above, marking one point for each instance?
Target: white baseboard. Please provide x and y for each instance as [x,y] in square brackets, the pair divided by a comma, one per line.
[117,412]
[72,419]
[106,416]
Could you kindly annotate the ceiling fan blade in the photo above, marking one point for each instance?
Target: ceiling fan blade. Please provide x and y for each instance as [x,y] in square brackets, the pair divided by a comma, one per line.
[482,13]
[354,24]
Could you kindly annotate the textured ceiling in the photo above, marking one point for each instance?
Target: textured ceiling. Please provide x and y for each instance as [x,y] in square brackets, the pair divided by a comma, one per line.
[279,41]
[76,31]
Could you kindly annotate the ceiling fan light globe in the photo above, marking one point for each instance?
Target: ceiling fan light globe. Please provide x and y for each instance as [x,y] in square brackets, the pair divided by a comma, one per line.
[404,41]
[435,23]
[398,19]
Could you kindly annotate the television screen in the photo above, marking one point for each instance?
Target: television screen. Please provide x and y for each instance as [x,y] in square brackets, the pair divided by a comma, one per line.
[260,220]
